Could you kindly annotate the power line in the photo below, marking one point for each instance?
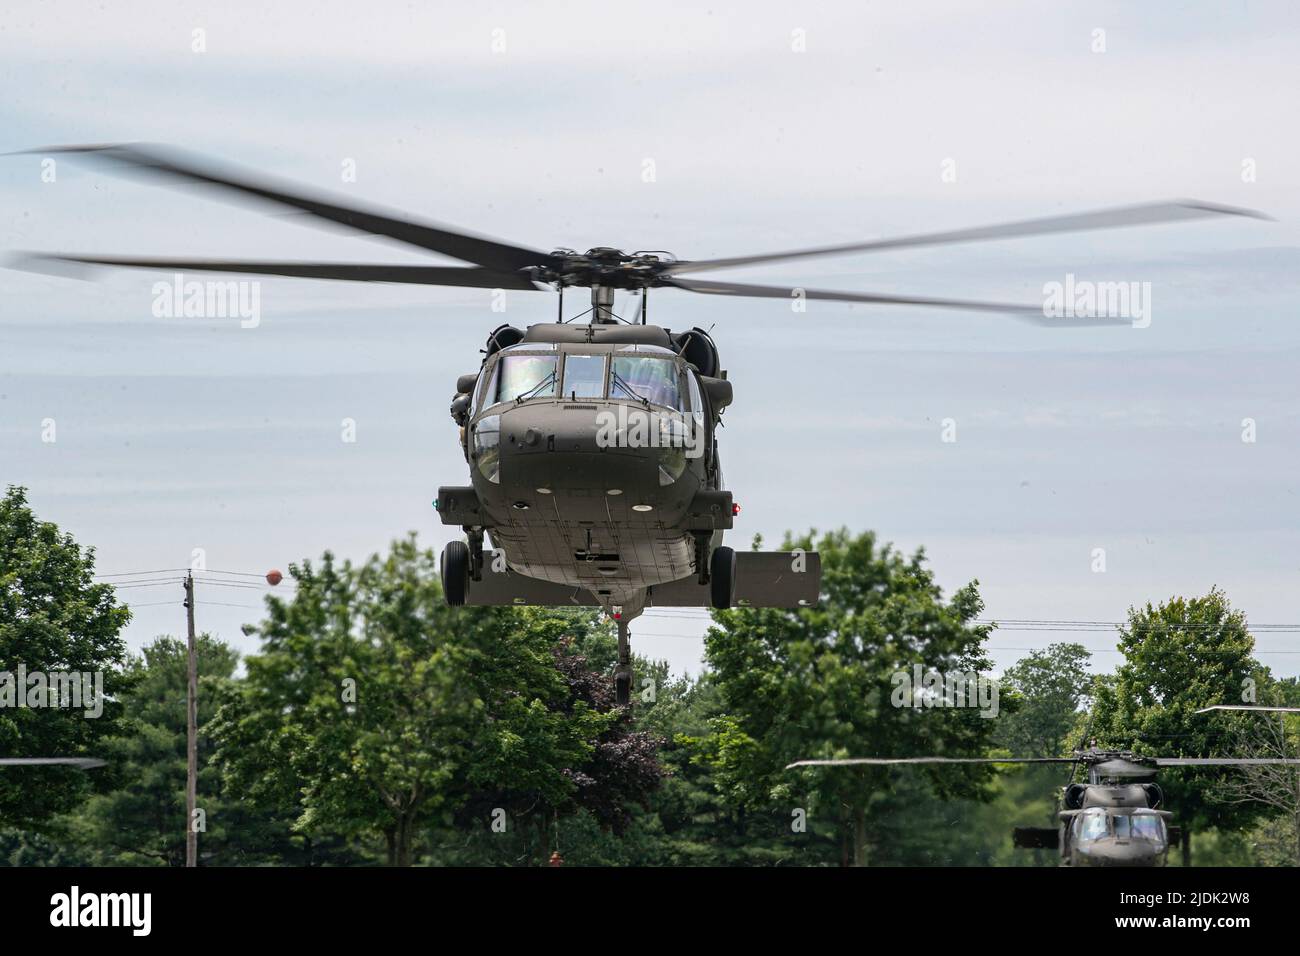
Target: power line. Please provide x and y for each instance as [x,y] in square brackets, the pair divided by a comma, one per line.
[127,574]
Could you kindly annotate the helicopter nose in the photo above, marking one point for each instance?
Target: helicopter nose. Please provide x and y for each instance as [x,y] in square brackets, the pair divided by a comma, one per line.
[559,449]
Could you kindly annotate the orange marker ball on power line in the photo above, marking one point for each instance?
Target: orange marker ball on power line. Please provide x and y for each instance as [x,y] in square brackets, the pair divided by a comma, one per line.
[274,577]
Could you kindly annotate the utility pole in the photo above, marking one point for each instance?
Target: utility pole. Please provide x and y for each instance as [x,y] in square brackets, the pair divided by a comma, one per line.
[192,733]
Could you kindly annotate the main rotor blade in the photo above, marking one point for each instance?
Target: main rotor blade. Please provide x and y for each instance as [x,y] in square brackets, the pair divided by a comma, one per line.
[169,164]
[886,761]
[1256,707]
[349,271]
[82,763]
[1225,761]
[1029,313]
[1139,215]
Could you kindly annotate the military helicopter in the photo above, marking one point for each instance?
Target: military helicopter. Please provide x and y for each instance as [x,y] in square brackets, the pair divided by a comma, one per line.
[592,447]
[1115,819]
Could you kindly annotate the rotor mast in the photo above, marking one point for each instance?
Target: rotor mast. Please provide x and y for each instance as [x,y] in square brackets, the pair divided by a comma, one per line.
[602,305]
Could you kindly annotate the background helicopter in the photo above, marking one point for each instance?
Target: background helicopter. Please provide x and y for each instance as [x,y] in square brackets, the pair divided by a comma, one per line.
[1115,819]
[631,519]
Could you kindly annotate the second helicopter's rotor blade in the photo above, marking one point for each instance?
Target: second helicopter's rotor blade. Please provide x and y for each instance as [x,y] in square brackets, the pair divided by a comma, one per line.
[1226,761]
[1029,313]
[889,761]
[348,271]
[169,164]
[1120,216]
[1260,708]
[82,763]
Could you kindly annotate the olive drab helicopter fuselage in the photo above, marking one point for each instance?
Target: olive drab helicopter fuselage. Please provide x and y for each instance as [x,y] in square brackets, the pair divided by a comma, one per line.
[594,464]
[594,467]
[1116,818]
[596,480]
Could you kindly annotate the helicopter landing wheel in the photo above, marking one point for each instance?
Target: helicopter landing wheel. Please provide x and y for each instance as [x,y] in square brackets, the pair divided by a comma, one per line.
[455,572]
[722,577]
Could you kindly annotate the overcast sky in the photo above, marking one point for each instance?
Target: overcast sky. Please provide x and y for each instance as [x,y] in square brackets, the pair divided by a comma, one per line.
[768,126]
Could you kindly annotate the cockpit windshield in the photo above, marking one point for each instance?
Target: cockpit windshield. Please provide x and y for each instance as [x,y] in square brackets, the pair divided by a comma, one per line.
[646,379]
[1092,824]
[1141,826]
[584,376]
[525,376]
[1095,823]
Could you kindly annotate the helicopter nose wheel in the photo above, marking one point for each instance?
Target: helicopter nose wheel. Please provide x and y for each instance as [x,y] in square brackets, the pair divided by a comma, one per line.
[722,577]
[455,572]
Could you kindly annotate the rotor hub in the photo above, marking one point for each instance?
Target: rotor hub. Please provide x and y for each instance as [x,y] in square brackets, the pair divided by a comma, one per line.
[602,266]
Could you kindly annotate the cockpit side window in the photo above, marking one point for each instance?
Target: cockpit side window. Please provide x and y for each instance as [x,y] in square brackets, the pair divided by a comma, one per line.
[697,398]
[484,397]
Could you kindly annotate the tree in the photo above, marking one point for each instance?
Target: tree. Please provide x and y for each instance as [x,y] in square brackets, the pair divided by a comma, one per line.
[1275,788]
[54,619]
[819,683]
[373,708]
[1179,657]
[142,820]
[1052,685]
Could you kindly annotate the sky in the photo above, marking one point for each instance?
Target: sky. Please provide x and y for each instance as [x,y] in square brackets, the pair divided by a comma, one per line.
[709,131]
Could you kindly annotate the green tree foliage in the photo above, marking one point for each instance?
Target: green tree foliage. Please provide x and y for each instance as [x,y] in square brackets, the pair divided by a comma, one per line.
[142,821]
[817,683]
[53,618]
[1052,685]
[1180,656]
[378,725]
[377,709]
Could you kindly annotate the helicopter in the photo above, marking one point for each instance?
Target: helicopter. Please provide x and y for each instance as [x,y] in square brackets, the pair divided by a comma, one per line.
[592,447]
[1115,819]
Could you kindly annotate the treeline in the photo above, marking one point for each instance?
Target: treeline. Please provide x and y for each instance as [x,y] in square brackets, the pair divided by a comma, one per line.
[375,725]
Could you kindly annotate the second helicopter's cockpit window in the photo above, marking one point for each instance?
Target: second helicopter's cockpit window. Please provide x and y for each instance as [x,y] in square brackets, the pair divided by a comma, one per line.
[525,376]
[1091,825]
[584,376]
[1141,826]
[646,379]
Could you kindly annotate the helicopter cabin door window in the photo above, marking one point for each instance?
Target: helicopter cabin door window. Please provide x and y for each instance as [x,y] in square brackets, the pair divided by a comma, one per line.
[526,376]
[584,376]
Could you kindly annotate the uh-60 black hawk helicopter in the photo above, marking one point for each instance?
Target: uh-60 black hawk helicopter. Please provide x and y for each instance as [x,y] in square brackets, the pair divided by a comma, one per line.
[592,447]
[1115,819]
